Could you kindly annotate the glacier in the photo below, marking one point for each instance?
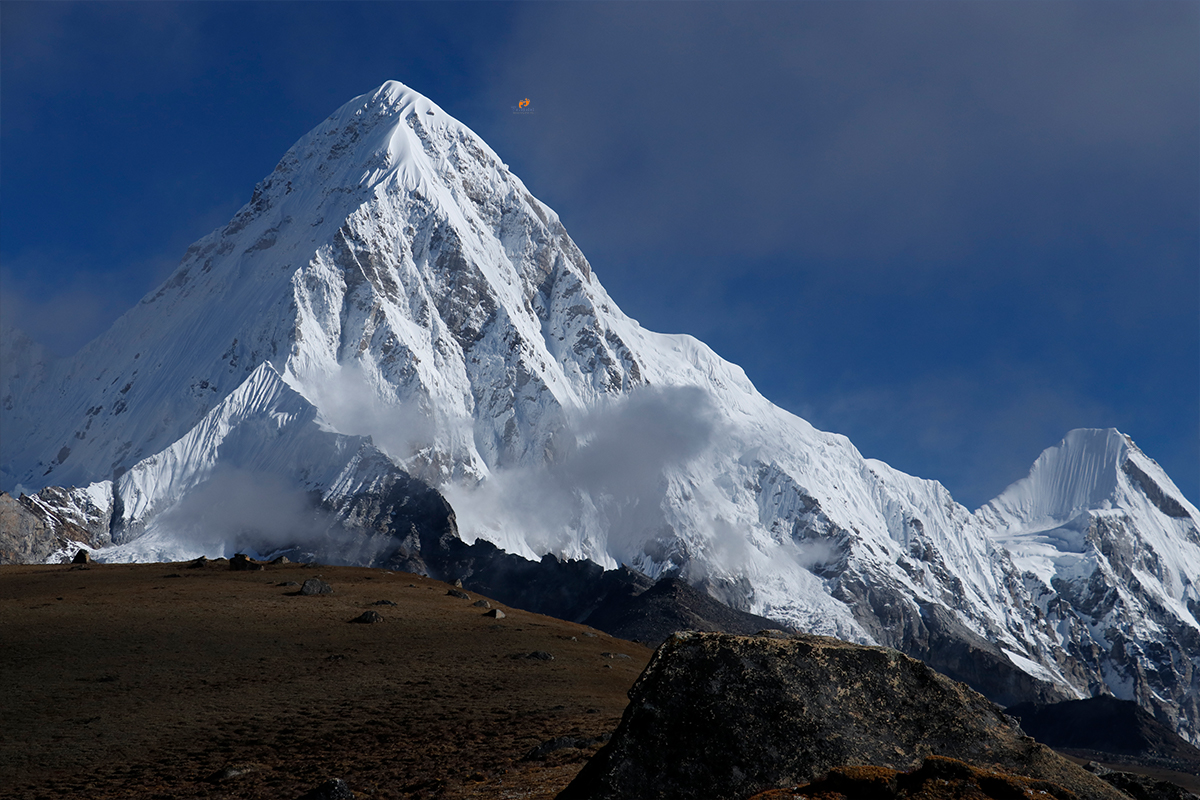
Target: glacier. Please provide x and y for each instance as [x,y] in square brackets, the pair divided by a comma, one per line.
[392,298]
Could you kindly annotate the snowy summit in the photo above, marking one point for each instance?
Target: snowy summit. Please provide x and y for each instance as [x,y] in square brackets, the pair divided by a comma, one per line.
[393,299]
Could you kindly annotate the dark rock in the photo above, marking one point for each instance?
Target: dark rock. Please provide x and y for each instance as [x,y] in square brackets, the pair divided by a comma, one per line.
[287,583]
[368,617]
[198,563]
[315,586]
[536,655]
[1106,725]
[244,563]
[384,603]
[716,716]
[668,606]
[482,604]
[614,655]
[496,613]
[32,528]
[1141,787]
[281,560]
[82,557]
[562,743]
[334,789]
[173,575]
[461,595]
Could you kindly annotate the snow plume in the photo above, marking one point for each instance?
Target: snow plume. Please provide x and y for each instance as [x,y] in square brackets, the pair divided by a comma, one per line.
[356,401]
[240,511]
[607,482]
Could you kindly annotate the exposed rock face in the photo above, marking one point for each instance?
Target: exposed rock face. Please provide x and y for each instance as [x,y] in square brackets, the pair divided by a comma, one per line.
[31,531]
[1140,787]
[719,716]
[668,606]
[24,539]
[621,602]
[1117,730]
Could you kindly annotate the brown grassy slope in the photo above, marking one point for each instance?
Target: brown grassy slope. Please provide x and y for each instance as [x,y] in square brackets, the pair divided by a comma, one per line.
[120,681]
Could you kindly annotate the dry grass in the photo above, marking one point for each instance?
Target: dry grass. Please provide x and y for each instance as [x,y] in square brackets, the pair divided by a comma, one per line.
[123,681]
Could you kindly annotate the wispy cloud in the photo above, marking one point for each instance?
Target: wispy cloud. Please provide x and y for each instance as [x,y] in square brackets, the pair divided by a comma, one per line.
[241,511]
[614,459]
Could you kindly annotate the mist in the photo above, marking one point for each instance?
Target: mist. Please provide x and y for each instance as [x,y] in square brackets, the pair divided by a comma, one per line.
[614,459]
[350,403]
[241,511]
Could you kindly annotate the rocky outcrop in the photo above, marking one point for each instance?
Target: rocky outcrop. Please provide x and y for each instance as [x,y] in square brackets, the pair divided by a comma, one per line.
[24,539]
[719,716]
[29,534]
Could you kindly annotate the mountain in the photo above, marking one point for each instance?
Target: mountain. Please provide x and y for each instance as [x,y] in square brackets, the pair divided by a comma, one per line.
[393,313]
[1107,729]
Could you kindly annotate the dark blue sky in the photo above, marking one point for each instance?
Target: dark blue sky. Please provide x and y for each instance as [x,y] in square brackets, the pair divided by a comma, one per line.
[951,230]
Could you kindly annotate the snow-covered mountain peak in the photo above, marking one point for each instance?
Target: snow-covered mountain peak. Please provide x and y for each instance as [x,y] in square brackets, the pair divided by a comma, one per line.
[1090,470]
[1075,475]
[392,279]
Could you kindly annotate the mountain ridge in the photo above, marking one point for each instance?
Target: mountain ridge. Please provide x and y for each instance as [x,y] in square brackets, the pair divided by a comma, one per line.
[393,301]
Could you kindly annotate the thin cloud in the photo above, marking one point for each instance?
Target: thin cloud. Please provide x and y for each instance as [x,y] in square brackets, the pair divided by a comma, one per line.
[614,460]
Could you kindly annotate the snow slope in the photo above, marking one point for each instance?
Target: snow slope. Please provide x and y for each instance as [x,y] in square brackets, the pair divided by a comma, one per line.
[392,279]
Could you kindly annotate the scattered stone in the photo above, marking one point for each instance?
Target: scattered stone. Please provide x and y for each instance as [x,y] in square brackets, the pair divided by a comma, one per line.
[228,773]
[589,634]
[199,563]
[281,560]
[82,557]
[383,603]
[614,655]
[287,583]
[458,583]
[562,743]
[315,586]
[496,613]
[173,575]
[536,655]
[461,595]
[334,789]
[368,617]
[772,633]
[482,604]
[244,563]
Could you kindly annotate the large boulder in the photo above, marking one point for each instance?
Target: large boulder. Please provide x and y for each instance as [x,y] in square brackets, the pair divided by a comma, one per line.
[721,717]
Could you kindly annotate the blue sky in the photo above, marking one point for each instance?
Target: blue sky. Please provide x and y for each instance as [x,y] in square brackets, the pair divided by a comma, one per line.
[951,231]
